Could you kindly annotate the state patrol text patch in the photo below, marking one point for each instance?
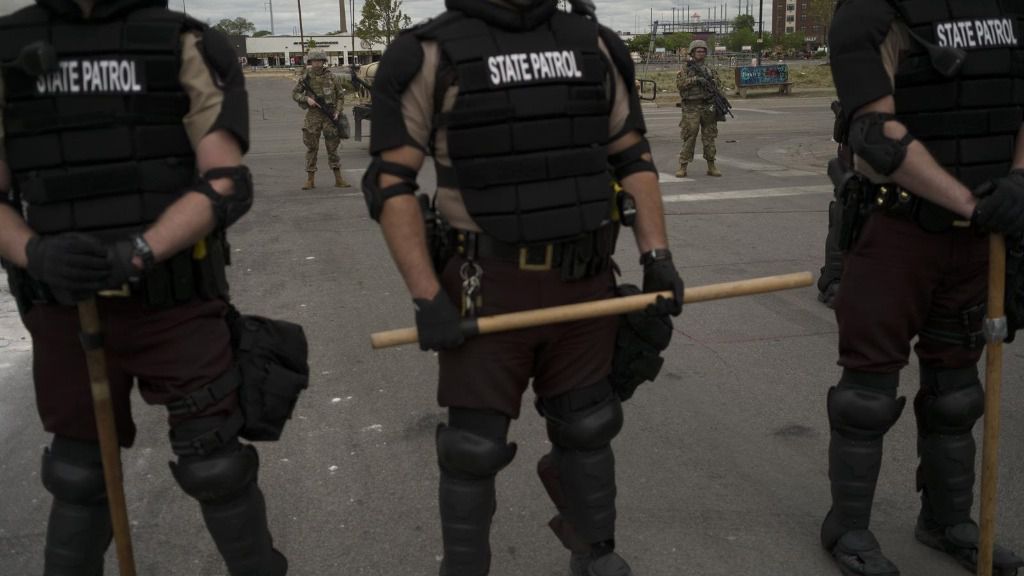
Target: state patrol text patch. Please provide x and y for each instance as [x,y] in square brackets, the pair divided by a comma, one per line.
[531,67]
[106,76]
[987,33]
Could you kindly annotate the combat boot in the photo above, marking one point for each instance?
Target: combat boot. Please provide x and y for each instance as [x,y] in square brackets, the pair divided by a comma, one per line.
[961,542]
[310,184]
[681,173]
[339,182]
[599,562]
[712,169]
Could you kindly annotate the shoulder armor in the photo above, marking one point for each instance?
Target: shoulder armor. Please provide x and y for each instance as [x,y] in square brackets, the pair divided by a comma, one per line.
[399,65]
[619,52]
[431,26]
[27,16]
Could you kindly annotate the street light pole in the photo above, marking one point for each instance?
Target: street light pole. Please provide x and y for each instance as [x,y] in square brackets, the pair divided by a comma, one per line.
[270,3]
[302,35]
[760,31]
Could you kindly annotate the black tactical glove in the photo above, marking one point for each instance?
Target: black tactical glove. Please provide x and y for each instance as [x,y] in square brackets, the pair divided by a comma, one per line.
[660,274]
[70,262]
[1000,206]
[438,323]
[122,271]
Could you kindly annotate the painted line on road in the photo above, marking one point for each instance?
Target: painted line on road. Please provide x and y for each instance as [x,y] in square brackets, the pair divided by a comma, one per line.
[746,194]
[758,111]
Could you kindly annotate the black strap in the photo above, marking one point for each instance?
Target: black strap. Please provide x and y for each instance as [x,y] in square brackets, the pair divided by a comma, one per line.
[206,396]
[210,441]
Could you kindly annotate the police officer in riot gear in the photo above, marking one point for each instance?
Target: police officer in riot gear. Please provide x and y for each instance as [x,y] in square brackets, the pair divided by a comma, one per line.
[935,129]
[99,159]
[525,109]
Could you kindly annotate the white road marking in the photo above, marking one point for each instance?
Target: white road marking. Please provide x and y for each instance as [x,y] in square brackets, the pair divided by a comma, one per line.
[744,194]
[666,178]
[758,111]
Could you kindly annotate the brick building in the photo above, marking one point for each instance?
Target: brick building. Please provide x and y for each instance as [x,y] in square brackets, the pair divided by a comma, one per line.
[789,16]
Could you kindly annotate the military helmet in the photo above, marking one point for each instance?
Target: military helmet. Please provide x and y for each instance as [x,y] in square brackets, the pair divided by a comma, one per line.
[697,44]
[316,55]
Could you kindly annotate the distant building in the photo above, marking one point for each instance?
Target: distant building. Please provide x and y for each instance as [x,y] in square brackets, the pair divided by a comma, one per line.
[789,16]
[288,50]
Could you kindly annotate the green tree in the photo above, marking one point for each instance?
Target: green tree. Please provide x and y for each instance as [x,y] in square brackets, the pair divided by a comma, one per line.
[311,44]
[744,22]
[675,41]
[237,27]
[261,34]
[639,43]
[821,11]
[794,41]
[382,20]
[740,38]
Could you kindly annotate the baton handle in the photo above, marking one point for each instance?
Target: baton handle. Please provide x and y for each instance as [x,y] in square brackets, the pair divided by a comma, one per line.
[110,451]
[993,393]
[600,308]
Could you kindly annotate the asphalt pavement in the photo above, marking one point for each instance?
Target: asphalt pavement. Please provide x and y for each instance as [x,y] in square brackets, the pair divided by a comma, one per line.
[722,463]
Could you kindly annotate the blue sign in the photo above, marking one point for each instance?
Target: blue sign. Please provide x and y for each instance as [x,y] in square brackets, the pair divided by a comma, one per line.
[762,75]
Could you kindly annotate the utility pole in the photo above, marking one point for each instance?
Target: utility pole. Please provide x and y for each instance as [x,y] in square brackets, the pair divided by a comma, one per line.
[270,5]
[184,10]
[760,31]
[352,11]
[302,35]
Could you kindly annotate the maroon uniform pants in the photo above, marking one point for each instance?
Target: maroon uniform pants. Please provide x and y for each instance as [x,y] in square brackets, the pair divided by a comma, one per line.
[895,278]
[170,352]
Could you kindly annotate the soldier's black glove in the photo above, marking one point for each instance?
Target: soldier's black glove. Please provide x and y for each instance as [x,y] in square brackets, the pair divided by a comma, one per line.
[660,274]
[70,262]
[1000,206]
[438,323]
[122,271]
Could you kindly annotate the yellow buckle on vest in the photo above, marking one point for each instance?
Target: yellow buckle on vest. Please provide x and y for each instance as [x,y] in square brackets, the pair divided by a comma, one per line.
[524,259]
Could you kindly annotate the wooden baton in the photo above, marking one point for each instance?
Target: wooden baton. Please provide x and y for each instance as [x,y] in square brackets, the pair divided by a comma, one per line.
[110,450]
[995,333]
[599,308]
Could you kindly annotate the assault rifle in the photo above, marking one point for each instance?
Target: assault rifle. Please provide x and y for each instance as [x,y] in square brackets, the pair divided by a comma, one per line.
[722,105]
[325,109]
[358,82]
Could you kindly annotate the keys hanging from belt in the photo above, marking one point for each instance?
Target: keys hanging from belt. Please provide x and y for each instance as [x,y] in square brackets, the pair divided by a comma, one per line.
[472,295]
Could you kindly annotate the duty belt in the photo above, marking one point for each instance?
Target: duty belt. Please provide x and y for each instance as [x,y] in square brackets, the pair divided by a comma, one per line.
[898,201]
[580,257]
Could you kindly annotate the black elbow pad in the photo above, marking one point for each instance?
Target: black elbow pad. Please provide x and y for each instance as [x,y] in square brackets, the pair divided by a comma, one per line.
[230,208]
[868,140]
[634,159]
[375,195]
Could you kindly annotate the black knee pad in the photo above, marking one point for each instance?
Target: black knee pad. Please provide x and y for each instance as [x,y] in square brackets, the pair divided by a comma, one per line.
[586,419]
[218,476]
[950,401]
[465,453]
[73,472]
[863,406]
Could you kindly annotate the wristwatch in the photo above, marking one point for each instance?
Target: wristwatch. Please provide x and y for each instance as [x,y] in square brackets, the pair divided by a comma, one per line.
[656,255]
[142,249]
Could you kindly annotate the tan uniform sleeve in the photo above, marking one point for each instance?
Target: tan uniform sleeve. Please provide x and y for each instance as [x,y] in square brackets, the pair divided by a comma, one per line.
[896,42]
[205,98]
[620,107]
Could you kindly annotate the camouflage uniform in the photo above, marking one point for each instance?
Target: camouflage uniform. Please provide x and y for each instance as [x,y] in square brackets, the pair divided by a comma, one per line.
[329,87]
[698,115]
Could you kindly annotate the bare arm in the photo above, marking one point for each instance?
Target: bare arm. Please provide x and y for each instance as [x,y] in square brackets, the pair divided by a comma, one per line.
[920,172]
[650,213]
[401,221]
[188,220]
[14,233]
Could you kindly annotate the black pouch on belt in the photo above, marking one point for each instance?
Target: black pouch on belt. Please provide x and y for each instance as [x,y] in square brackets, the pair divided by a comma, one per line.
[271,361]
[850,196]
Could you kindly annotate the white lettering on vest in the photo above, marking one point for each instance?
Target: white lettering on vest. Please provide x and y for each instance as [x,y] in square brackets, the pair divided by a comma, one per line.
[988,33]
[523,67]
[119,76]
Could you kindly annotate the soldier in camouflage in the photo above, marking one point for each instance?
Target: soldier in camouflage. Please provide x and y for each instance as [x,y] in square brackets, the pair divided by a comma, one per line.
[329,87]
[698,109]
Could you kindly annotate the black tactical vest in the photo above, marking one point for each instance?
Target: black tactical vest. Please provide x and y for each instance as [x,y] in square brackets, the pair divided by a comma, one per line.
[968,122]
[528,133]
[99,145]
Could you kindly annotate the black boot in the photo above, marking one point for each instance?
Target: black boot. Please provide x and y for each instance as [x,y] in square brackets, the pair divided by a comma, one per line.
[861,410]
[600,561]
[224,483]
[470,451]
[947,407]
[79,530]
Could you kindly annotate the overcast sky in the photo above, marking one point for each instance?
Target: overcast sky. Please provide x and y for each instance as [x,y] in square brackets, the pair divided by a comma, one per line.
[319,16]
